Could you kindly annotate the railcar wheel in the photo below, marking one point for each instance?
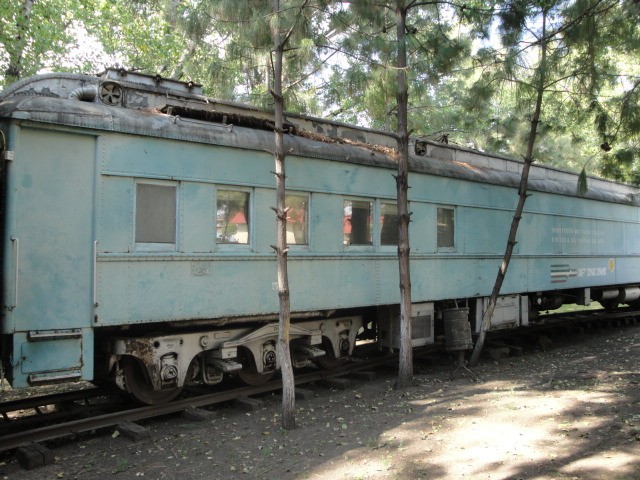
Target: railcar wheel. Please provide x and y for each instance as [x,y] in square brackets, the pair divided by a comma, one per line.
[330,363]
[140,386]
[249,374]
[255,378]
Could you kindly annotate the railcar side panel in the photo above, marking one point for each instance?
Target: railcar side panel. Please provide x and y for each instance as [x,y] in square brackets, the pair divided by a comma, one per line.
[264,224]
[164,159]
[49,223]
[325,223]
[115,215]
[423,228]
[197,204]
[455,277]
[465,269]
[479,229]
[327,176]
[626,269]
[566,272]
[138,285]
[143,290]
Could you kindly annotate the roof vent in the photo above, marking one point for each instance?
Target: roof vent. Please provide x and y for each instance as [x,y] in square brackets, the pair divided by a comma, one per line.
[110,93]
[421,148]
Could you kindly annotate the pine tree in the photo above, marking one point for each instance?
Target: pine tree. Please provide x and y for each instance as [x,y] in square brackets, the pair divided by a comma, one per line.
[542,42]
[281,39]
[273,30]
[410,45]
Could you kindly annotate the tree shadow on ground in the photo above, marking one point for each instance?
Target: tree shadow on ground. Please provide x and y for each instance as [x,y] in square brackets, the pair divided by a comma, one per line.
[572,411]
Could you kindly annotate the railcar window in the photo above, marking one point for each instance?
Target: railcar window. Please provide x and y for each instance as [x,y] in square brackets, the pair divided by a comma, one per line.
[232,217]
[156,214]
[356,222]
[297,224]
[388,224]
[446,229]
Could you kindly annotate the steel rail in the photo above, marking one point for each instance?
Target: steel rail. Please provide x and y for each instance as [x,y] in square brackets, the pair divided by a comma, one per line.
[74,427]
[51,399]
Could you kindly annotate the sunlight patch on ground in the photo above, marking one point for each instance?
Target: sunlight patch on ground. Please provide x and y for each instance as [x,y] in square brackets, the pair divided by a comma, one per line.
[604,463]
[494,440]
[357,464]
[501,441]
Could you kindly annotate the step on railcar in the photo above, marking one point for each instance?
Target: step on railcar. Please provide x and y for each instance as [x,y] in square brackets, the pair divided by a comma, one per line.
[137,231]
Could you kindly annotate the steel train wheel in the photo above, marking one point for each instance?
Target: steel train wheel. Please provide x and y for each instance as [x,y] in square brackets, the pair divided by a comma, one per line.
[140,386]
[330,363]
[255,378]
[248,374]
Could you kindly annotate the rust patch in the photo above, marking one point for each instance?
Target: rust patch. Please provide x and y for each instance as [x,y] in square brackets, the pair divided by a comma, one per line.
[143,350]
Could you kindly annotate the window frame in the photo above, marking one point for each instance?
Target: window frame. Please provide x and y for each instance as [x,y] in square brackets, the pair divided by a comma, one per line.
[360,246]
[380,202]
[304,246]
[451,248]
[250,223]
[156,246]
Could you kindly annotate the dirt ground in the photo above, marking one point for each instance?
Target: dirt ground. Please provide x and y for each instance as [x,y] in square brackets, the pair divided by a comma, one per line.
[570,411]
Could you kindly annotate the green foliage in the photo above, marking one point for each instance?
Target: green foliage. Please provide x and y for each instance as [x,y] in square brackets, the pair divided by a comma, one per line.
[439,37]
[513,17]
[463,82]
[36,35]
[141,35]
[592,70]
[245,59]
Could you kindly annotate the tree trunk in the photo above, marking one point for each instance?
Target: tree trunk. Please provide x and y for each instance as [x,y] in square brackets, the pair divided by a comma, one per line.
[282,348]
[405,368]
[522,197]
[16,54]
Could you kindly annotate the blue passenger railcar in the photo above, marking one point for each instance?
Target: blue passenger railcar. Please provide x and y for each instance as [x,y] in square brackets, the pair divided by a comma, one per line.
[137,224]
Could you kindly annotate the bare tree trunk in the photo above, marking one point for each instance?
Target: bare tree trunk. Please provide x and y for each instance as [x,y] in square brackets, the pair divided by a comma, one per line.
[405,368]
[282,347]
[16,55]
[522,197]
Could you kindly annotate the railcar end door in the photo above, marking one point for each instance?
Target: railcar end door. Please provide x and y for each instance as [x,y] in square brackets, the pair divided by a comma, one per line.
[50,204]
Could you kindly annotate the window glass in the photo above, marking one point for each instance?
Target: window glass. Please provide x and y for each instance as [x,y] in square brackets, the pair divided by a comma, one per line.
[232,217]
[155,213]
[445,227]
[297,226]
[356,222]
[388,224]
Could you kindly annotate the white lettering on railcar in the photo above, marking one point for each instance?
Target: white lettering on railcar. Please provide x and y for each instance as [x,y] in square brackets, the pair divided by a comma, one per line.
[577,236]
[592,272]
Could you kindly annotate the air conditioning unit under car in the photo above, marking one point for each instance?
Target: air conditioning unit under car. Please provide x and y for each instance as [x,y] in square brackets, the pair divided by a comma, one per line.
[422,320]
[511,311]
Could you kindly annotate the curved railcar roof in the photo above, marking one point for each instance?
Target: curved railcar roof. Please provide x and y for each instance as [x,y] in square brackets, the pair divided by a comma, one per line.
[150,106]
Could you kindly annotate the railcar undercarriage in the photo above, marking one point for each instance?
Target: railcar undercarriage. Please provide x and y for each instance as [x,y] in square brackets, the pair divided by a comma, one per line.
[155,368]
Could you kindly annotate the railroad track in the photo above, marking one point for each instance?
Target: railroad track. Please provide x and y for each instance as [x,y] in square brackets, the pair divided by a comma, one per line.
[91,409]
[68,427]
[580,319]
[34,412]
[36,403]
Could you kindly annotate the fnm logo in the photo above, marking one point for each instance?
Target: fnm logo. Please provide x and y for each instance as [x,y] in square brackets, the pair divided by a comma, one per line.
[592,272]
[562,272]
